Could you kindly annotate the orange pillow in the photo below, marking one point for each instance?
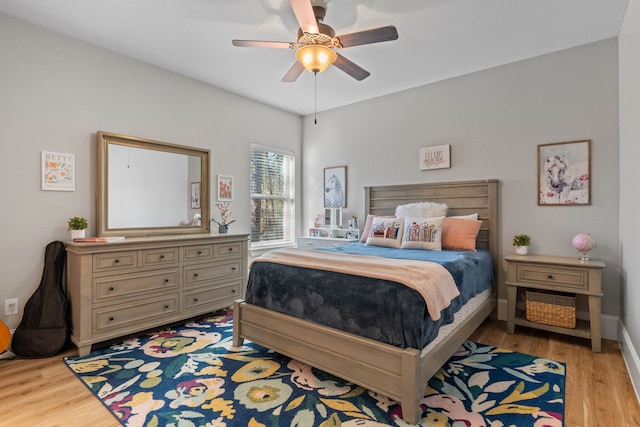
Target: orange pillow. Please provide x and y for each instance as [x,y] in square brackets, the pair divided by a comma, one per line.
[460,234]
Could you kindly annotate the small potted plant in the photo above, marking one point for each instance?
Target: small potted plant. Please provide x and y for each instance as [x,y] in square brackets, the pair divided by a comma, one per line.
[521,242]
[225,213]
[77,226]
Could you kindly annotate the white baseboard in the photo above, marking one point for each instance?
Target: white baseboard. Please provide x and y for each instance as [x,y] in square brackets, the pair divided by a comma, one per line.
[631,359]
[609,324]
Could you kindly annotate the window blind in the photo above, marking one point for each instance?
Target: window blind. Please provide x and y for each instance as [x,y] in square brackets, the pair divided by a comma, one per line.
[272,197]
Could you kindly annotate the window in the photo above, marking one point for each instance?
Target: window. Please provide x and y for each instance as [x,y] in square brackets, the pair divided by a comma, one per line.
[272,197]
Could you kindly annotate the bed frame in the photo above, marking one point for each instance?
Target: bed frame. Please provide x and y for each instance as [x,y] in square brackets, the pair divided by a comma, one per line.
[400,374]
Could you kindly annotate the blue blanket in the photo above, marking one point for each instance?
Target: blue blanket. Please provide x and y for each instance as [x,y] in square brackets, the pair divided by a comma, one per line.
[378,309]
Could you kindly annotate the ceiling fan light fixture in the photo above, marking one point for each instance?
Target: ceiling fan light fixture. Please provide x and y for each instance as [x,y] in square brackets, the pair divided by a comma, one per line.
[315,57]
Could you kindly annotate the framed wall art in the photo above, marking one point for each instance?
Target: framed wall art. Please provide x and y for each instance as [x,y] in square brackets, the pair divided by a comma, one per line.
[335,187]
[435,157]
[564,173]
[58,171]
[225,188]
[195,195]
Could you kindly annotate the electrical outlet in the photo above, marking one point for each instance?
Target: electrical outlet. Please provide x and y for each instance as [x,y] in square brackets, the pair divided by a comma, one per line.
[10,306]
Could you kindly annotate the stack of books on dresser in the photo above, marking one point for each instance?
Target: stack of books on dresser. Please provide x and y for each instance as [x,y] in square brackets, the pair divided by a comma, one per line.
[108,239]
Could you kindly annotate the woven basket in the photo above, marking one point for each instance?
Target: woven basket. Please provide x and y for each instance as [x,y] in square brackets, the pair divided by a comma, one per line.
[551,309]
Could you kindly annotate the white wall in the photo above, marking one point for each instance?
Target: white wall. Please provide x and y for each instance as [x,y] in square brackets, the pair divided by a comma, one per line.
[57,92]
[494,121]
[629,193]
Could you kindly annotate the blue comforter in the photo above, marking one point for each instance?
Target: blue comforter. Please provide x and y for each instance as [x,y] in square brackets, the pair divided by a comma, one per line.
[382,310]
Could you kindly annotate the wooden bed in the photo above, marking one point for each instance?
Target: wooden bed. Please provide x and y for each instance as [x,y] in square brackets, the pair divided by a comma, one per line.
[400,374]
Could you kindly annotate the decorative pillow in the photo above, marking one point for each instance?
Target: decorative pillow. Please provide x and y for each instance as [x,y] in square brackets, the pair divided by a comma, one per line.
[422,233]
[460,234]
[421,210]
[386,231]
[367,227]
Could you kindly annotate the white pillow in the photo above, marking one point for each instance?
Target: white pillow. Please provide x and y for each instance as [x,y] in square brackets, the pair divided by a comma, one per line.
[386,232]
[421,210]
[472,216]
[422,233]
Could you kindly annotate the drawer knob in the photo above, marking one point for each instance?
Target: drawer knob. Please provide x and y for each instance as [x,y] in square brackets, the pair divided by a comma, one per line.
[111,288]
[195,300]
[233,291]
[550,277]
[233,269]
[166,306]
[111,319]
[195,274]
[230,249]
[117,261]
[199,252]
[161,256]
[166,280]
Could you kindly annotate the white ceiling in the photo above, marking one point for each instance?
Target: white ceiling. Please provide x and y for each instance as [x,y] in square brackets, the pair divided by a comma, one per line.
[438,39]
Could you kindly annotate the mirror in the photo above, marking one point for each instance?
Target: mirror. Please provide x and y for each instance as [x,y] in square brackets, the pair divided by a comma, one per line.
[150,188]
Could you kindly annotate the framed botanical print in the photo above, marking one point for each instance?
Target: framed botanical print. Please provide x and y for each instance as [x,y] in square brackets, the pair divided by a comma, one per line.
[225,188]
[564,173]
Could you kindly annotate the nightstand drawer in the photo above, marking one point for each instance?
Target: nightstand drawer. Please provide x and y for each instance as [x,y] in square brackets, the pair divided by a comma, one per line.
[562,276]
[115,261]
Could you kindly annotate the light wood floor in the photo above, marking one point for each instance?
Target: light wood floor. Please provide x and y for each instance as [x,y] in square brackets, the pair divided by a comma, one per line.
[43,392]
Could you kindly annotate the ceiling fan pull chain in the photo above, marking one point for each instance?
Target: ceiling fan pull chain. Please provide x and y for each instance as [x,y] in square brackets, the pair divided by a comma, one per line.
[315,98]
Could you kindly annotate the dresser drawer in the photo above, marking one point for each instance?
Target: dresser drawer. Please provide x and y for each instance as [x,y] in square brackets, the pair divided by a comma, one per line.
[159,256]
[227,249]
[565,276]
[111,318]
[195,274]
[209,297]
[309,243]
[201,252]
[110,287]
[114,261]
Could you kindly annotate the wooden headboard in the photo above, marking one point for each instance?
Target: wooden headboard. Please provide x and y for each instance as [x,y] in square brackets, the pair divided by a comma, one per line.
[462,197]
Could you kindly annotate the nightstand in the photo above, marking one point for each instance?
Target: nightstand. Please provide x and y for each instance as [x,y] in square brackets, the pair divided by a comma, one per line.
[556,274]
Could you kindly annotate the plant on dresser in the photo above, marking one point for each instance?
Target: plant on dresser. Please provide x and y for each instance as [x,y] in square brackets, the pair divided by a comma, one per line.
[77,226]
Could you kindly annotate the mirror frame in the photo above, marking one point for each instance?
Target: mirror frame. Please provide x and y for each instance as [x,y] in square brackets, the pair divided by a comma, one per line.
[102,186]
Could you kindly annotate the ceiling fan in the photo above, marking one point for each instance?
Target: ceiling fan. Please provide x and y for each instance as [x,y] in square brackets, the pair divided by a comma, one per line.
[315,48]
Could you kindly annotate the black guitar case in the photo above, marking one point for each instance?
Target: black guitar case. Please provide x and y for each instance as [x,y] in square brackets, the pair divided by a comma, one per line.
[44,330]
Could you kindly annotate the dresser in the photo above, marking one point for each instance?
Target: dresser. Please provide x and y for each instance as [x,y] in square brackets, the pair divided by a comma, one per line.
[119,288]
[556,274]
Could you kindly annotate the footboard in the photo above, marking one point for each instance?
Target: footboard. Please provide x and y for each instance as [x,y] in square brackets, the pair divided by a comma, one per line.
[400,374]
[385,369]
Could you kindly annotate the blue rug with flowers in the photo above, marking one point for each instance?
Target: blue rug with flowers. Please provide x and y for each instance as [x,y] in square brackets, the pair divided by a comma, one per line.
[190,376]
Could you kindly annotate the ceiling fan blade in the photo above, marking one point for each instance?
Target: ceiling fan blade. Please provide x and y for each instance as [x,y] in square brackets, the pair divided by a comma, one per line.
[351,68]
[261,43]
[293,73]
[375,35]
[305,16]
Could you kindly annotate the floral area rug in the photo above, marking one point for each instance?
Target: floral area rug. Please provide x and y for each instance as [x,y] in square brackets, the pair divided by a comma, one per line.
[191,376]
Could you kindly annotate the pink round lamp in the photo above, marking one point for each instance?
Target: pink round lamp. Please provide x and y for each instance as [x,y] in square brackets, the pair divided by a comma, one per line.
[584,243]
